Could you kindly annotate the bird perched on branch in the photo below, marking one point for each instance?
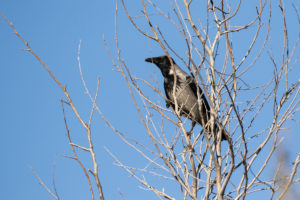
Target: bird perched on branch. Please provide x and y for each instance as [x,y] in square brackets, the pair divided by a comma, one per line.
[186,93]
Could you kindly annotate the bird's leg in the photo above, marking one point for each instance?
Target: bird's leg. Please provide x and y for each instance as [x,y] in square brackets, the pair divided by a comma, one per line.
[191,131]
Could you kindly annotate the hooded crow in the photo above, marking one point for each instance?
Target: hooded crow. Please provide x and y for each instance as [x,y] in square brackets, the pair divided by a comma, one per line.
[185,93]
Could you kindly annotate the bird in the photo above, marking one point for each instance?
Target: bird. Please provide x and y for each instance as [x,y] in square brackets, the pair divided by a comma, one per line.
[186,94]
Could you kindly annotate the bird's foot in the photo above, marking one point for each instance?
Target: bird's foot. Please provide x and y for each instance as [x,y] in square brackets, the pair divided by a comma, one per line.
[189,133]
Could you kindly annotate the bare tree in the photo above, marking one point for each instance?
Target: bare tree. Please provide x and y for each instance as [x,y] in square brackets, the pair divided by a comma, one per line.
[209,169]
[200,166]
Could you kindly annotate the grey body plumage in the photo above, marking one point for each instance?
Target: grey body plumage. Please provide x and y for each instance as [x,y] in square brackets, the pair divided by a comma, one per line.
[186,91]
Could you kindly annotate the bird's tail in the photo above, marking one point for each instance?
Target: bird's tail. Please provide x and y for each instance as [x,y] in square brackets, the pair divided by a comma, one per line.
[224,132]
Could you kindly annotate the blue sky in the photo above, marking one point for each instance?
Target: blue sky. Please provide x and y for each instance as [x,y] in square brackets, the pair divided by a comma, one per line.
[32,128]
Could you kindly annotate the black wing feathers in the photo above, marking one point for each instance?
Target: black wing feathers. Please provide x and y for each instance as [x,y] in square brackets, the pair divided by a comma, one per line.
[193,86]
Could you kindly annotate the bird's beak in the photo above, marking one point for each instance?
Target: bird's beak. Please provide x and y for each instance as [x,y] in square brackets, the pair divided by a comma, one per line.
[150,60]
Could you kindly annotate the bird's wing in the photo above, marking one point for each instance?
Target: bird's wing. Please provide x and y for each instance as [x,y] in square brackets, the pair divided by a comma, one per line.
[193,86]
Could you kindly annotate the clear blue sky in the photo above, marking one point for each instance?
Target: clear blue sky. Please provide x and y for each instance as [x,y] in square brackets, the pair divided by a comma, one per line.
[32,129]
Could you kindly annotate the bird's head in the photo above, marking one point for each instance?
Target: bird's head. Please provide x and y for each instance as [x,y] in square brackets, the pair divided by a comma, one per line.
[160,61]
[163,62]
